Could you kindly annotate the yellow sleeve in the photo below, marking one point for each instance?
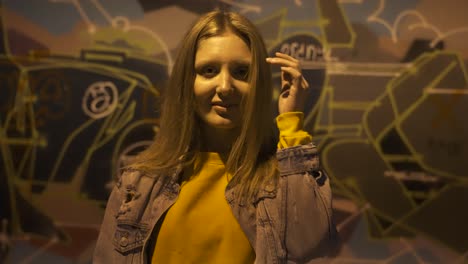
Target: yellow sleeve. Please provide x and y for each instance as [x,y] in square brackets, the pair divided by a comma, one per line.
[291,131]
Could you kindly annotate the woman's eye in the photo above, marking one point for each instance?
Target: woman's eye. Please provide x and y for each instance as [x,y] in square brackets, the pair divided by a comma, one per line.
[241,73]
[209,71]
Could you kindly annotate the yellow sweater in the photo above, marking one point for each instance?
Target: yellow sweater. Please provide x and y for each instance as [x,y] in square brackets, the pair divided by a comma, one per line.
[200,226]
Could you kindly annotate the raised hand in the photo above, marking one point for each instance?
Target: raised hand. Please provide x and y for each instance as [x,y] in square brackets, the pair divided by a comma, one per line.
[294,87]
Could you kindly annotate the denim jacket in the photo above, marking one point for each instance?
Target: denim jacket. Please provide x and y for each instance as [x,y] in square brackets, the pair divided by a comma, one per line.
[289,222]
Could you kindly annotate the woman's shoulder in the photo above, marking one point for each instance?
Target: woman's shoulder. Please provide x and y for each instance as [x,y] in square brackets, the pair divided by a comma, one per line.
[129,175]
[132,178]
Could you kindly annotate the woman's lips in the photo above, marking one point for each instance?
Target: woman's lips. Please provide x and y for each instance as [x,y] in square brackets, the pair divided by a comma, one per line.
[223,107]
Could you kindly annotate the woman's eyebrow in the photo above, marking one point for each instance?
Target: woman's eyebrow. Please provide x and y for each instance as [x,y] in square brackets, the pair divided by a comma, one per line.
[202,62]
[242,62]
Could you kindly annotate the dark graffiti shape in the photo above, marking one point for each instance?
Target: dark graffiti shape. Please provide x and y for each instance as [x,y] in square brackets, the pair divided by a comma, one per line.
[402,177]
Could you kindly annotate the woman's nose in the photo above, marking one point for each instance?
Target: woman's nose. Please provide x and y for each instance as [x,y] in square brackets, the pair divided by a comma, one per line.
[224,83]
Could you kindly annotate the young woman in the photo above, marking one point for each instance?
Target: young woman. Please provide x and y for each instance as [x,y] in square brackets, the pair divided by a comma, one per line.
[219,185]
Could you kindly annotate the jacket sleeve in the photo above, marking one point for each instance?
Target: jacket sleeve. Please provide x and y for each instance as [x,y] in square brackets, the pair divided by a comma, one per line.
[291,132]
[311,234]
[104,251]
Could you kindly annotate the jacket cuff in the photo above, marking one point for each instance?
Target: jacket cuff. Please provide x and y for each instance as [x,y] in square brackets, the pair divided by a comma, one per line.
[290,126]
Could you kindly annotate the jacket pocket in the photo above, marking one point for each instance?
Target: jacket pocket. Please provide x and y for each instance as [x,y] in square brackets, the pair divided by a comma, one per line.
[129,238]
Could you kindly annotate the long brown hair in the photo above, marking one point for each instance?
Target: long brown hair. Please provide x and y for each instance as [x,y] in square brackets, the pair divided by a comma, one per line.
[252,157]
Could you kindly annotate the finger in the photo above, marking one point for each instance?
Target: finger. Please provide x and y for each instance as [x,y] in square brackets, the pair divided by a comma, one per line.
[305,84]
[285,89]
[283,62]
[286,56]
[294,72]
[294,79]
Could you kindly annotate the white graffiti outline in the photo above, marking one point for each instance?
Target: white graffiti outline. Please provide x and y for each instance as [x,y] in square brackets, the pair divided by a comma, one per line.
[449,33]
[126,25]
[103,11]
[411,176]
[84,16]
[102,103]
[114,21]
[374,17]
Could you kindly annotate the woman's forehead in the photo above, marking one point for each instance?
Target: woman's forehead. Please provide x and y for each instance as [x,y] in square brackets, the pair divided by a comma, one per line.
[223,47]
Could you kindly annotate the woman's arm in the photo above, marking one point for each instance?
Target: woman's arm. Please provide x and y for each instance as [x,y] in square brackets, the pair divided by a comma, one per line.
[311,232]
[104,251]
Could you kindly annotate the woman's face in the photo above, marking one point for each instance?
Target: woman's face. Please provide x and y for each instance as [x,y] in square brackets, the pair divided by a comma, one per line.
[222,66]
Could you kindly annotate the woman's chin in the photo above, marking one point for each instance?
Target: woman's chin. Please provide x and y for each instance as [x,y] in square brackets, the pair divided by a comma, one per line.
[220,122]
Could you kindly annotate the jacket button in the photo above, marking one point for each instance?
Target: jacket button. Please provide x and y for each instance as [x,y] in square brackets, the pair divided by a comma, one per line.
[124,241]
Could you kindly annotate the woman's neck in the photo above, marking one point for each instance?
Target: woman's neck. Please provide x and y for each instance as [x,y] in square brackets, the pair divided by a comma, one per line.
[218,140]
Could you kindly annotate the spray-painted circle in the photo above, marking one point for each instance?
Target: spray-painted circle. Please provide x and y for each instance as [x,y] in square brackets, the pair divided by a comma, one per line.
[100,99]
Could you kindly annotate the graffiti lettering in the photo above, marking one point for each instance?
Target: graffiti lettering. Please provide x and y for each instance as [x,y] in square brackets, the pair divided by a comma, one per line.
[303,51]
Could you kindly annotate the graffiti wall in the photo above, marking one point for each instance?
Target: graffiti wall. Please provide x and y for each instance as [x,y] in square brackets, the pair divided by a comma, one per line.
[80,82]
